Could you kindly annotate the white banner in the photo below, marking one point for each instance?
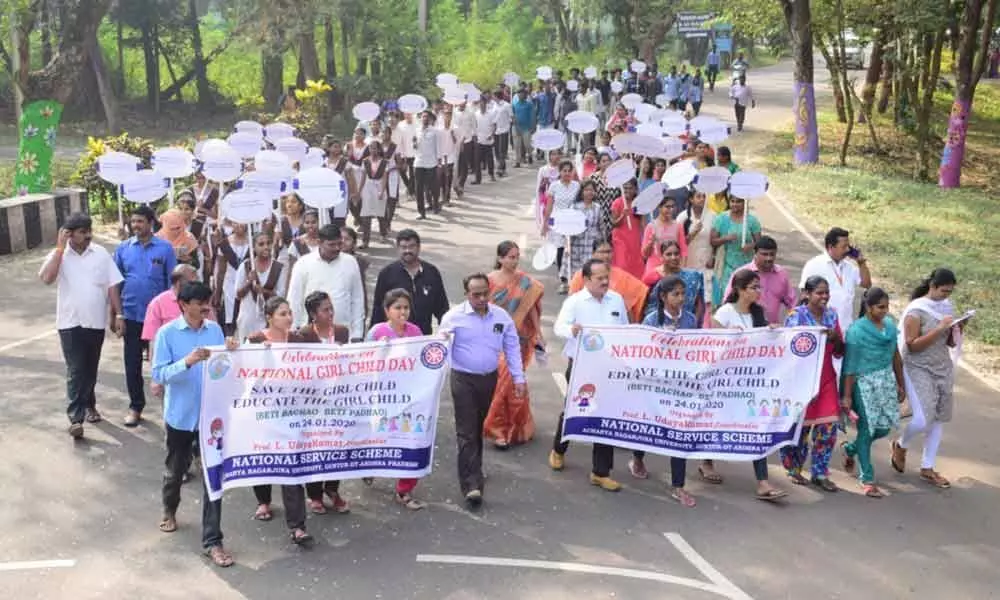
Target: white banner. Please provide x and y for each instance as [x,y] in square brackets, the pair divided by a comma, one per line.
[295,413]
[710,394]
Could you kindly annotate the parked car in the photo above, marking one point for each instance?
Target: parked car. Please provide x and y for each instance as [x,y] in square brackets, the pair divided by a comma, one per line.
[857,52]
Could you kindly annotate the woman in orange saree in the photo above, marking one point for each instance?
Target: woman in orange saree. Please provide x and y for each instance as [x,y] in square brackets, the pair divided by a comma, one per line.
[509,420]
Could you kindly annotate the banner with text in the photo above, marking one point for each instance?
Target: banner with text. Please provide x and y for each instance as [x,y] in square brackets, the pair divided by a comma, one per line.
[716,394]
[295,413]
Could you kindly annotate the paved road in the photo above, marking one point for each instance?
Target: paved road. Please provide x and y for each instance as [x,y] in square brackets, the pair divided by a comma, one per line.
[96,504]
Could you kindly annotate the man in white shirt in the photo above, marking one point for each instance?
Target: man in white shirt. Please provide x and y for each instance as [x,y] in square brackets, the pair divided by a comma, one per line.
[465,131]
[503,114]
[404,136]
[88,280]
[448,144]
[486,126]
[334,272]
[742,97]
[426,162]
[595,304]
[842,275]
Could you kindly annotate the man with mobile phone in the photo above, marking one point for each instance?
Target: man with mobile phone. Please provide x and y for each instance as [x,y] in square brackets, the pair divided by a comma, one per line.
[87,282]
[843,276]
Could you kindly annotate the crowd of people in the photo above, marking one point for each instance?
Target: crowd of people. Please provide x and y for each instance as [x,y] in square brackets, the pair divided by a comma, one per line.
[189,278]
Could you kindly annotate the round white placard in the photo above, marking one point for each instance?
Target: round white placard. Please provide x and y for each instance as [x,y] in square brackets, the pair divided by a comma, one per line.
[649,198]
[547,139]
[712,180]
[544,257]
[619,172]
[569,221]
[144,187]
[117,167]
[269,184]
[246,207]
[617,87]
[273,161]
[292,147]
[245,143]
[630,101]
[680,174]
[252,127]
[637,66]
[219,162]
[748,184]
[173,162]
[444,80]
[544,73]
[590,72]
[321,187]
[366,111]
[412,103]
[582,121]
[315,157]
[511,79]
[278,131]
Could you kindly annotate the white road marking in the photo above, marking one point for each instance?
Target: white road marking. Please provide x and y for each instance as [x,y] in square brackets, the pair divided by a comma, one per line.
[816,243]
[25,341]
[487,561]
[561,382]
[36,564]
[705,568]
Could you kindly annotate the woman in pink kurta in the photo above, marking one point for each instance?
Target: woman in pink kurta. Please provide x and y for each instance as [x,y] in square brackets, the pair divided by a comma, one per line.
[626,232]
[663,228]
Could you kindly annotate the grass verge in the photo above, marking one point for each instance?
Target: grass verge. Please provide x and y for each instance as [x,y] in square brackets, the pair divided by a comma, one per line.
[909,227]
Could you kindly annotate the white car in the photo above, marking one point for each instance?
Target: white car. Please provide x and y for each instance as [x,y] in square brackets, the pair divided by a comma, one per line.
[857,52]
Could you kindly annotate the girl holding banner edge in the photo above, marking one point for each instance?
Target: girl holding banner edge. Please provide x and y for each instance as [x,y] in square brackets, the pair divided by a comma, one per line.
[321,329]
[397,304]
[279,324]
[670,314]
[741,311]
[823,412]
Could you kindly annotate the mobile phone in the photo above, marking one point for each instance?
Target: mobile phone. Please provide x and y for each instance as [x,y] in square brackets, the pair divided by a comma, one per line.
[853,252]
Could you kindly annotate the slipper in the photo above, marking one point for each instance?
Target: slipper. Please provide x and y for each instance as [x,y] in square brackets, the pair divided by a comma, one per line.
[711,477]
[825,484]
[501,444]
[263,513]
[798,479]
[219,556]
[900,453]
[637,469]
[872,491]
[772,495]
[300,536]
[168,525]
[934,478]
[93,416]
[409,502]
[681,495]
[317,507]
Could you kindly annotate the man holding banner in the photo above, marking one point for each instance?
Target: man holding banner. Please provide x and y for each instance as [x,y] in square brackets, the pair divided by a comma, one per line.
[180,349]
[593,305]
[480,332]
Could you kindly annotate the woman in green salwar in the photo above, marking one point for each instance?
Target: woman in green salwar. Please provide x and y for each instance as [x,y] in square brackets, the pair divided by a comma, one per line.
[872,384]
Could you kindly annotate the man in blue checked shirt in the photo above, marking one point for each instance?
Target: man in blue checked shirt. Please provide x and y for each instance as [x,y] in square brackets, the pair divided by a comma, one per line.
[146,262]
[179,352]
[480,331]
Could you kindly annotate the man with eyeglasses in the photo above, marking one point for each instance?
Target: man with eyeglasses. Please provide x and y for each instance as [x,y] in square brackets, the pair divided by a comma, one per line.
[480,332]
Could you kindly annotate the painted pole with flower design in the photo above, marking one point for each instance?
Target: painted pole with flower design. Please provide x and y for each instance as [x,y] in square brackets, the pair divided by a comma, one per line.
[38,128]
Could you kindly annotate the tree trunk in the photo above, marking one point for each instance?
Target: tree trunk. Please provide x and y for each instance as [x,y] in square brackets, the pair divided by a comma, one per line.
[308,58]
[44,18]
[80,21]
[121,58]
[171,91]
[152,65]
[170,67]
[367,48]
[872,76]
[886,92]
[273,75]
[930,70]
[968,68]
[799,19]
[205,98]
[845,84]
[832,59]
[328,51]
[345,44]
[104,88]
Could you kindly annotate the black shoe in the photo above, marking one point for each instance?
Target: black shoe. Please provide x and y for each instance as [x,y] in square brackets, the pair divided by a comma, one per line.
[474,498]
[421,217]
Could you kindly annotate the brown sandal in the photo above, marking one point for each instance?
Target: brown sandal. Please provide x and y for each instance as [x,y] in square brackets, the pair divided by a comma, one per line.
[872,491]
[263,513]
[934,478]
[219,556]
[710,476]
[898,457]
[168,524]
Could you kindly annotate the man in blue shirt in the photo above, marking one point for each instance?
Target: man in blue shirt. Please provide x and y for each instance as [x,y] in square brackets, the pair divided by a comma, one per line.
[146,262]
[712,62]
[179,351]
[524,124]
[480,332]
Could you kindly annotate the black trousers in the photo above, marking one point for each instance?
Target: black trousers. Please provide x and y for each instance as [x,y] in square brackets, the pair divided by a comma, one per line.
[466,159]
[81,348]
[472,395]
[501,144]
[293,497]
[484,160]
[426,187]
[445,179]
[180,446]
[316,489]
[406,173]
[602,456]
[741,115]
[134,346]
[712,73]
